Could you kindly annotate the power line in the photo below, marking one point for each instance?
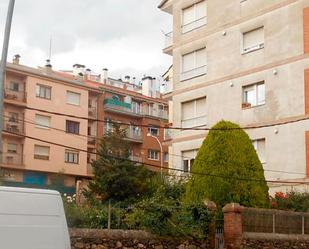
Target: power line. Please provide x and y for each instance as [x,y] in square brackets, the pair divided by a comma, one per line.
[156,166]
[173,127]
[170,154]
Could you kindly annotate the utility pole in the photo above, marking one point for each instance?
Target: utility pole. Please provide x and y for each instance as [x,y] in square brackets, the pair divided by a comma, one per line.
[6,40]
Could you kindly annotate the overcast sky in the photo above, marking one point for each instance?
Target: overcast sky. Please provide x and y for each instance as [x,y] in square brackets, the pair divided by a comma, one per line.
[124,36]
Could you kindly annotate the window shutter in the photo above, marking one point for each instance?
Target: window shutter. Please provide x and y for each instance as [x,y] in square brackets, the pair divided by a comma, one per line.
[261,94]
[41,150]
[187,110]
[12,147]
[200,58]
[253,38]
[200,107]
[188,62]
[42,121]
[201,10]
[73,98]
[188,15]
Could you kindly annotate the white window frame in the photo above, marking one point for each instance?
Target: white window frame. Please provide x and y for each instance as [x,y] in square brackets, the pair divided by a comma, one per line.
[73,103]
[41,126]
[71,157]
[152,130]
[255,145]
[195,71]
[188,160]
[153,155]
[196,121]
[257,102]
[42,91]
[41,156]
[196,23]
[256,46]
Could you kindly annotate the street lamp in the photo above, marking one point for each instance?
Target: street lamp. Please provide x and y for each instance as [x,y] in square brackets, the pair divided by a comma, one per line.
[161,150]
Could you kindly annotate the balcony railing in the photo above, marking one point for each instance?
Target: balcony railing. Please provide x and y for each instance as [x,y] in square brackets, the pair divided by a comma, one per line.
[13,159]
[194,122]
[160,113]
[195,72]
[136,159]
[168,40]
[121,106]
[91,140]
[134,133]
[194,25]
[92,112]
[167,134]
[14,126]
[15,95]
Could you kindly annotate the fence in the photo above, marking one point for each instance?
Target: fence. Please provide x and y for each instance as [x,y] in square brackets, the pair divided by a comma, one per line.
[275,221]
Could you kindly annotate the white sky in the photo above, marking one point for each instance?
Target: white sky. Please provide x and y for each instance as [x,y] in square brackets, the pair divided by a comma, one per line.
[124,36]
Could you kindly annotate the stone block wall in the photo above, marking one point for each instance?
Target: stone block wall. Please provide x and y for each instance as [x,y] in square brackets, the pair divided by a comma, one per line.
[128,239]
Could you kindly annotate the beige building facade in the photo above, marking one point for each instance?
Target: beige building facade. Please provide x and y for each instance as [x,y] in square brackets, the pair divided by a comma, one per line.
[243,61]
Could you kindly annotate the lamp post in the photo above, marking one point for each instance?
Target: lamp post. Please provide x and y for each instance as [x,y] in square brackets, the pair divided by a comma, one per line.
[161,152]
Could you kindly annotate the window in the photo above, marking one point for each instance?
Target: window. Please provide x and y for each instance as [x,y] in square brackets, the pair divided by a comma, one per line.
[12,148]
[73,98]
[154,131]
[13,117]
[253,40]
[42,122]
[41,152]
[194,16]
[188,160]
[72,127]
[165,157]
[71,156]
[153,155]
[136,107]
[43,91]
[253,95]
[193,113]
[14,86]
[259,146]
[194,64]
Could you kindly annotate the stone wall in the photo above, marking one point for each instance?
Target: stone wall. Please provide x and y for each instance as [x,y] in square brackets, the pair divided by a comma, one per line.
[128,239]
[274,244]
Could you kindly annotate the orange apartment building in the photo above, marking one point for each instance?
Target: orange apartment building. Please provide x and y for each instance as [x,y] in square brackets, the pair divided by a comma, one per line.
[74,105]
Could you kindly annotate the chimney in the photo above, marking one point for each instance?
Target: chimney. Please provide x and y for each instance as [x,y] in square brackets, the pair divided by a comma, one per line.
[133,80]
[104,76]
[127,79]
[78,70]
[16,59]
[48,66]
[147,86]
[88,74]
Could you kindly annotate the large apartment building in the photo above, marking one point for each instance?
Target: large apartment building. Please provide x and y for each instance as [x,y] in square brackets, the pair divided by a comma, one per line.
[245,61]
[44,109]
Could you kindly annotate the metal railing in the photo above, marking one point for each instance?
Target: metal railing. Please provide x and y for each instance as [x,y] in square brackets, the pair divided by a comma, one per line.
[168,39]
[14,126]
[194,122]
[194,25]
[92,112]
[91,140]
[134,133]
[275,221]
[14,95]
[13,159]
[136,159]
[195,72]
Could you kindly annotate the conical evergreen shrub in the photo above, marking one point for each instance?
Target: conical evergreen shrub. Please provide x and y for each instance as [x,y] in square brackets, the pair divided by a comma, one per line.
[232,171]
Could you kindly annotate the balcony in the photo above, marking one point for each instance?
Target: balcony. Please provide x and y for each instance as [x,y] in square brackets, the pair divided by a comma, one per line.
[167,134]
[120,107]
[13,159]
[195,72]
[14,127]
[168,43]
[136,159]
[162,114]
[194,25]
[91,140]
[15,96]
[134,134]
[92,112]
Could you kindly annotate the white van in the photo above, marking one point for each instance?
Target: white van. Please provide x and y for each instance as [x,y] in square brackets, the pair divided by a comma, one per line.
[32,219]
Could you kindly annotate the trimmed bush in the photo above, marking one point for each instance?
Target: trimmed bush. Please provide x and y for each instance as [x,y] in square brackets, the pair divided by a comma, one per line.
[232,170]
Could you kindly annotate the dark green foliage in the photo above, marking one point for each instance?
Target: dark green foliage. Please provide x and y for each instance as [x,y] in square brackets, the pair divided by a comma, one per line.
[292,201]
[115,176]
[164,214]
[227,151]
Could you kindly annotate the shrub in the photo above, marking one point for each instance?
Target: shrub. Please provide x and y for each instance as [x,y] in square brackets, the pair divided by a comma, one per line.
[232,170]
[293,201]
